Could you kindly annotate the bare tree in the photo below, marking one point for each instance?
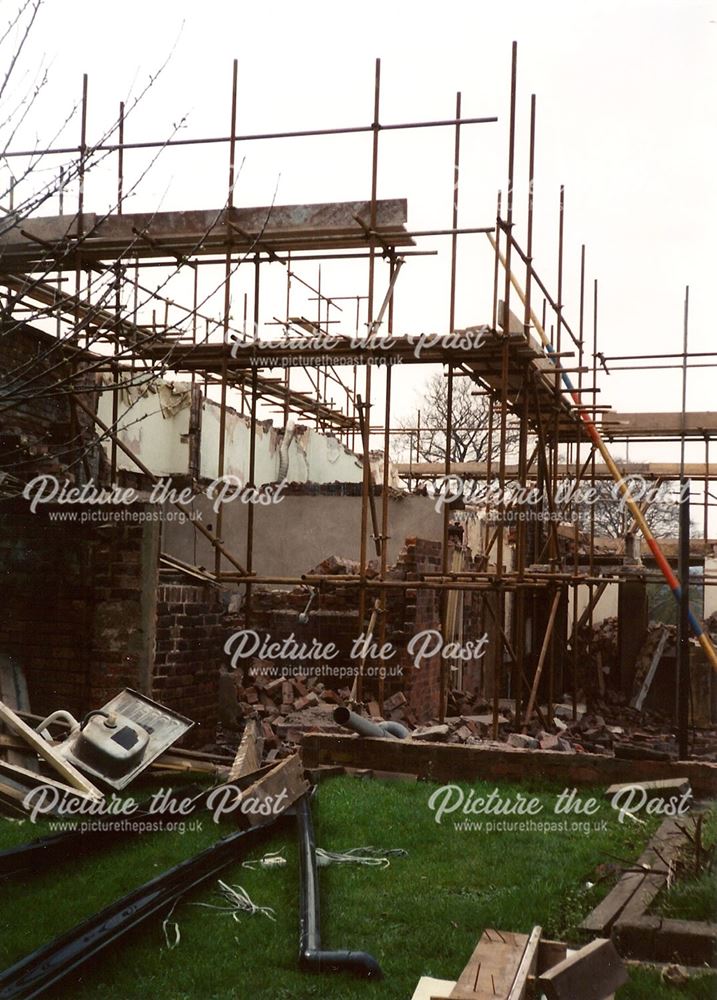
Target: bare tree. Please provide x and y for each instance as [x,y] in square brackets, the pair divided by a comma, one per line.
[471,439]
[612,518]
[31,179]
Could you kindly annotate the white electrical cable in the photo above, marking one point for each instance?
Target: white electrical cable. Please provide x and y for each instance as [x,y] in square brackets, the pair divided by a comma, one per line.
[166,924]
[374,856]
[274,859]
[239,902]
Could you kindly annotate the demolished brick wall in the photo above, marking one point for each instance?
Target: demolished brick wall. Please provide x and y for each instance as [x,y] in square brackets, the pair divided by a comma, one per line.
[421,610]
[334,618]
[85,616]
[189,652]
[72,613]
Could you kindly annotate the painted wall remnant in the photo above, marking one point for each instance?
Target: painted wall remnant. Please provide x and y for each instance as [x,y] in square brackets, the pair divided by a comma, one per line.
[155,424]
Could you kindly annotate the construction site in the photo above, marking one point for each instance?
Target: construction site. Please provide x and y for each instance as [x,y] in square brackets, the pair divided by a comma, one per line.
[230,562]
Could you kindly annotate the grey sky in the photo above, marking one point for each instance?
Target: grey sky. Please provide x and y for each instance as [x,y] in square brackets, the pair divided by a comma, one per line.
[627,102]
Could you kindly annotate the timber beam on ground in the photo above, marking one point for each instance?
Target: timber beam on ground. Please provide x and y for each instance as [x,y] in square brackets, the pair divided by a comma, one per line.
[451,762]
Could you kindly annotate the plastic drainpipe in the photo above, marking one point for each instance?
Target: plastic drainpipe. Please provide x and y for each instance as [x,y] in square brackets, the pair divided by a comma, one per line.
[312,957]
[364,727]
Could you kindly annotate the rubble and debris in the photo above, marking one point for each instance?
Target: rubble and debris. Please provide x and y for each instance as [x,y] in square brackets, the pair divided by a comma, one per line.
[288,708]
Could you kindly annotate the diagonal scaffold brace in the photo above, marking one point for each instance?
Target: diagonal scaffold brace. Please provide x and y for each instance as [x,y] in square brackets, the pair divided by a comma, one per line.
[596,438]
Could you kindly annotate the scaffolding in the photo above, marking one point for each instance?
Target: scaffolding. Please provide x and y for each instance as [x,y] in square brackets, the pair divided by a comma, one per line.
[537,373]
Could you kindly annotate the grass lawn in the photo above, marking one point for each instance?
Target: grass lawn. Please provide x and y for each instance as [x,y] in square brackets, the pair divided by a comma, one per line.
[693,894]
[421,916]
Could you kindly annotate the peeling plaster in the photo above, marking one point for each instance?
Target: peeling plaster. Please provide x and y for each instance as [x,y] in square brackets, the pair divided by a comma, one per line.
[154,423]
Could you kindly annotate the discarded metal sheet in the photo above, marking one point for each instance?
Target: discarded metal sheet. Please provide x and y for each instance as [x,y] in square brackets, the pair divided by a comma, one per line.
[123,738]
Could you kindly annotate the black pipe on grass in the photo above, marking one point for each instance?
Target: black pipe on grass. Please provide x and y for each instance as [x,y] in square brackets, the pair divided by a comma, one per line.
[50,963]
[312,958]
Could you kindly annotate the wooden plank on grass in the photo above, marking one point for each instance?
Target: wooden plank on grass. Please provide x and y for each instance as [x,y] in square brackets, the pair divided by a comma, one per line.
[24,776]
[602,918]
[636,889]
[493,966]
[63,767]
[594,972]
[248,756]
[429,988]
[283,784]
[663,789]
[658,858]
[527,967]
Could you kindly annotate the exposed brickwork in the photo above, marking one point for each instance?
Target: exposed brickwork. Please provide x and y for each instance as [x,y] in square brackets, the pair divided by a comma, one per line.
[71,612]
[191,630]
[421,610]
[44,610]
[334,618]
[120,638]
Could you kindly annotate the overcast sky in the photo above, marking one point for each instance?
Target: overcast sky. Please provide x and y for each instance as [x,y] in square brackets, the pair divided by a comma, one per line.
[627,106]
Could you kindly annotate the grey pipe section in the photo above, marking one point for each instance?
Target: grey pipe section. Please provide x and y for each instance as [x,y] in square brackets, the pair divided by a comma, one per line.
[312,957]
[394,729]
[364,727]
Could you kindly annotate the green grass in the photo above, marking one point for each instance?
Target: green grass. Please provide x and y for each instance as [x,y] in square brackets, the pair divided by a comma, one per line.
[421,916]
[646,984]
[693,895]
